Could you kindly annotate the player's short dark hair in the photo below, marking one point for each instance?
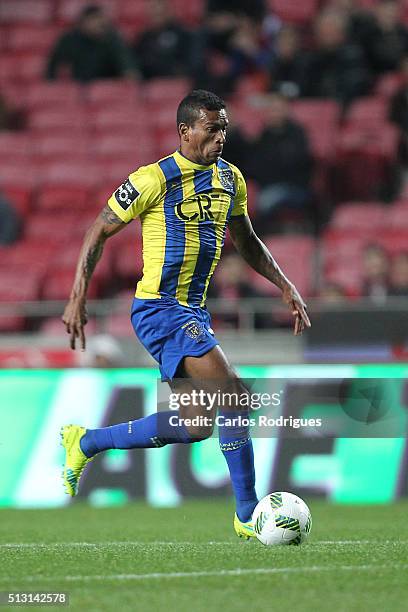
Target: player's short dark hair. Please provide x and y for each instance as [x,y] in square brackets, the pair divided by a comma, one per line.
[189,108]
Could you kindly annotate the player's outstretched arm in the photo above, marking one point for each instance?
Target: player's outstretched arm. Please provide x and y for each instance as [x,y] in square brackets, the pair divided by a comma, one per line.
[75,317]
[255,253]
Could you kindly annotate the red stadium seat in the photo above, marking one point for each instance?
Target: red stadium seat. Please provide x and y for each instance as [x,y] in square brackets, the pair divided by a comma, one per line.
[250,120]
[118,325]
[166,142]
[58,228]
[164,116]
[19,284]
[396,217]
[116,171]
[340,252]
[316,114]
[133,13]
[4,32]
[104,192]
[342,246]
[54,96]
[15,145]
[368,217]
[24,287]
[170,90]
[37,253]
[350,279]
[79,174]
[65,260]
[320,118]
[365,155]
[368,112]
[55,146]
[36,39]
[58,285]
[68,11]
[295,254]
[59,120]
[393,241]
[54,327]
[248,85]
[71,198]
[388,85]
[112,146]
[190,12]
[128,262]
[112,92]
[122,119]
[14,175]
[13,94]
[29,11]
[293,11]
[20,198]
[22,68]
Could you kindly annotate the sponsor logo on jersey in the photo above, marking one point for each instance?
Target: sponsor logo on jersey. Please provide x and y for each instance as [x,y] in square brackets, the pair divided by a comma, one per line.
[227,179]
[126,194]
[197,207]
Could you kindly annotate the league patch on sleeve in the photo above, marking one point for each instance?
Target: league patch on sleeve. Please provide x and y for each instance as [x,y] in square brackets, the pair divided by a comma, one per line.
[126,194]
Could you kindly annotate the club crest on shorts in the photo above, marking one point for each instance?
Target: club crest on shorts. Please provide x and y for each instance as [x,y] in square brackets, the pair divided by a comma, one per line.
[193,330]
[226,179]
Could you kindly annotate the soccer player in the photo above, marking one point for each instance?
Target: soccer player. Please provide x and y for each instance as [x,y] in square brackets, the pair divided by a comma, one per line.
[185,202]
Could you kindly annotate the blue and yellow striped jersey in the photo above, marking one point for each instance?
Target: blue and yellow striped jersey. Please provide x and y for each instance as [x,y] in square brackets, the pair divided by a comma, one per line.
[184,209]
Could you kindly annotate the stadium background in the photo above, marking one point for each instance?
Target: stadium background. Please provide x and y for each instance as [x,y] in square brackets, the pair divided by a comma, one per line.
[71,146]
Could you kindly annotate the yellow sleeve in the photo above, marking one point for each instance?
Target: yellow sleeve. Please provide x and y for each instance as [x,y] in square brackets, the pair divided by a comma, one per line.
[140,191]
[239,206]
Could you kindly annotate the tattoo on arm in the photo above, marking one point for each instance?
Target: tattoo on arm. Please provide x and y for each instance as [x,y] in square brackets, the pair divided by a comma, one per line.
[92,258]
[255,253]
[107,224]
[109,216]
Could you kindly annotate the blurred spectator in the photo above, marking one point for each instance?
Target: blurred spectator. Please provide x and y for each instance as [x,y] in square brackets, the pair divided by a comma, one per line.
[359,22]
[281,163]
[387,41]
[375,273]
[231,283]
[210,53]
[332,294]
[228,44]
[91,50]
[9,222]
[335,68]
[10,118]
[287,70]
[102,351]
[236,147]
[399,275]
[399,109]
[255,9]
[250,50]
[163,50]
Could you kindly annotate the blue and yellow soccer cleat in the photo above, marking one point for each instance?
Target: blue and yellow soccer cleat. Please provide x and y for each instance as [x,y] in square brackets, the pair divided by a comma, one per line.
[244,530]
[75,460]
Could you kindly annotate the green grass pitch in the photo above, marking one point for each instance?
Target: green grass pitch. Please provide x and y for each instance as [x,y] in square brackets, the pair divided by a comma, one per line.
[188,558]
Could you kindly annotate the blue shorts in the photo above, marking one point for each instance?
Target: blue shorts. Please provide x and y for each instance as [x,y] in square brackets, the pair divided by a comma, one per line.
[170,331]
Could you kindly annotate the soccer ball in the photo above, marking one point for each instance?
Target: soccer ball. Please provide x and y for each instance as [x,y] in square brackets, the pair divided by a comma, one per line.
[282,518]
